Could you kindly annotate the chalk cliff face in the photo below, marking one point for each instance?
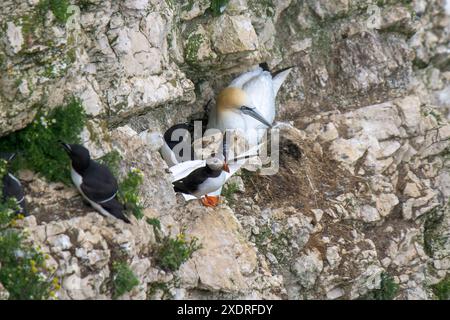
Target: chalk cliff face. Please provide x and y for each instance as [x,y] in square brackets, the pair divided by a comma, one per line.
[364,185]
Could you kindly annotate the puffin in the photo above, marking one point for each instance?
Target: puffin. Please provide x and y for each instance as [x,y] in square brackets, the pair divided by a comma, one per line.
[248,103]
[200,178]
[95,182]
[204,179]
[12,188]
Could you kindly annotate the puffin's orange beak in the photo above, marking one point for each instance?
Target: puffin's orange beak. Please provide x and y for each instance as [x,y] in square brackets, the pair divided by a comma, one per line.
[226,168]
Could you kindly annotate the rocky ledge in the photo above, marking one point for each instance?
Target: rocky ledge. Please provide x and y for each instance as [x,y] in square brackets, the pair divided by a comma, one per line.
[360,206]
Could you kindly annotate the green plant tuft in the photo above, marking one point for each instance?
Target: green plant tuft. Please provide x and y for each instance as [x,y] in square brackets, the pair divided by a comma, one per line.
[217,6]
[124,279]
[57,7]
[38,145]
[194,43]
[442,289]
[173,252]
[229,190]
[112,161]
[129,192]
[433,239]
[154,287]
[23,270]
[128,186]
[388,290]
[155,223]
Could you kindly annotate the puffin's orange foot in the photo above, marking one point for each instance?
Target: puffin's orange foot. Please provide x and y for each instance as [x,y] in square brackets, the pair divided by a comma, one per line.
[210,201]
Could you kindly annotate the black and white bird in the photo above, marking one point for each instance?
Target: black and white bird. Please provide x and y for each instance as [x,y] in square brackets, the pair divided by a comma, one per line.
[176,146]
[200,178]
[177,135]
[95,182]
[12,188]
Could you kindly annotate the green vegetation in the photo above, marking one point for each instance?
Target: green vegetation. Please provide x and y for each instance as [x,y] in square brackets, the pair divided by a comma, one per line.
[154,287]
[171,4]
[164,288]
[112,161]
[188,6]
[124,280]
[84,4]
[431,235]
[173,252]
[192,47]
[446,153]
[217,6]
[276,244]
[156,224]
[262,7]
[23,270]
[129,192]
[38,143]
[435,115]
[229,190]
[442,289]
[57,7]
[128,186]
[31,23]
[388,290]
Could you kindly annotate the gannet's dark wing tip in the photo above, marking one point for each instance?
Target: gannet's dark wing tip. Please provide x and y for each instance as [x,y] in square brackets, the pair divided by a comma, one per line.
[266,67]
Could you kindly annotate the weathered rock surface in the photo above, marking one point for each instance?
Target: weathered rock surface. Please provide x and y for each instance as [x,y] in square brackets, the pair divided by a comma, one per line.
[364,184]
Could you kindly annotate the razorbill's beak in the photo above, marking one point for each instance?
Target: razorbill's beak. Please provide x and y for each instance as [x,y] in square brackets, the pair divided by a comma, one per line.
[66,147]
[226,168]
[12,156]
[255,115]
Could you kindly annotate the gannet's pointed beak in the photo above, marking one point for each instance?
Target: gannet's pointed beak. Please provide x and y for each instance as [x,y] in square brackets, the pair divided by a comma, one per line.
[226,168]
[255,115]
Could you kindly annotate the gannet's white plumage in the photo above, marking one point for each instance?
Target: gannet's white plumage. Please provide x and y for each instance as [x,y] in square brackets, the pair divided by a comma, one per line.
[256,89]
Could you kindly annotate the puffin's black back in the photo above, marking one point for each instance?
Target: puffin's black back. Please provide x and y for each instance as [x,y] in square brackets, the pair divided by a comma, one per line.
[191,183]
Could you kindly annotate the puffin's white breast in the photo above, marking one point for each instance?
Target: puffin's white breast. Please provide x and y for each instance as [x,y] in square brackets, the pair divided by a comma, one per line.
[211,185]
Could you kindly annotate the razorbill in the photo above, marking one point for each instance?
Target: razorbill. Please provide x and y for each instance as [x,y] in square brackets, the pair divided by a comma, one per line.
[12,188]
[95,182]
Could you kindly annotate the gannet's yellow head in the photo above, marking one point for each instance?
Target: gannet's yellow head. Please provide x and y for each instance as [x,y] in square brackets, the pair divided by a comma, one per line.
[231,99]
[235,99]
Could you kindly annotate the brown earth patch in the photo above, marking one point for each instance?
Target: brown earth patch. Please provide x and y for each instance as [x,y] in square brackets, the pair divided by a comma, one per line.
[306,180]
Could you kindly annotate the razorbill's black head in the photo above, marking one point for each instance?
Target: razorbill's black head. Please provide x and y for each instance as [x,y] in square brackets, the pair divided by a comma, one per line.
[11,186]
[7,156]
[79,155]
[95,182]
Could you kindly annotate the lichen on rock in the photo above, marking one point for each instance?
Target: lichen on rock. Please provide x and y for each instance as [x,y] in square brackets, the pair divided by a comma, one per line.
[360,205]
